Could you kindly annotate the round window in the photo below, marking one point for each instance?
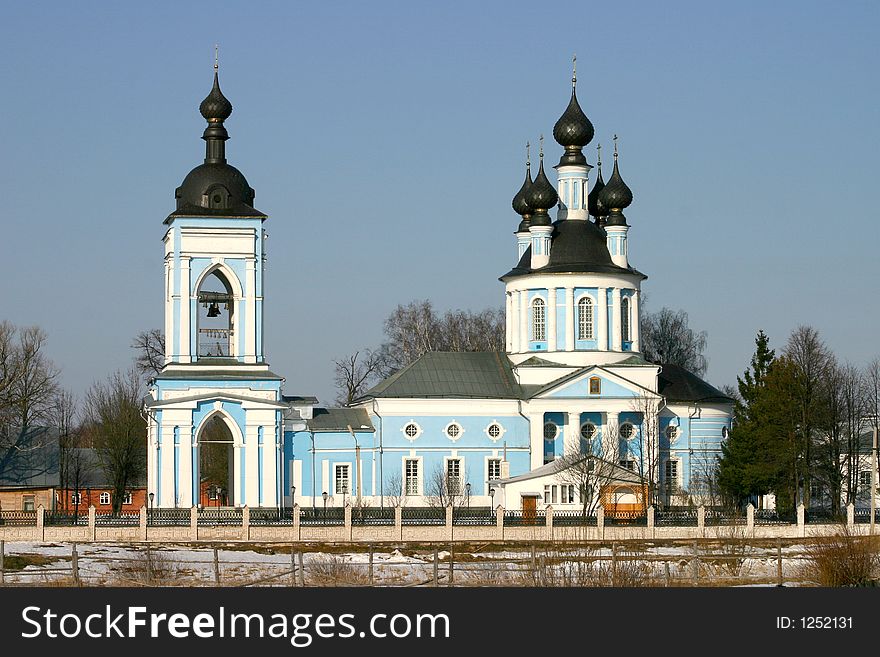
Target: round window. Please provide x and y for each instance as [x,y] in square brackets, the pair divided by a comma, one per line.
[494,431]
[627,430]
[588,430]
[672,432]
[550,431]
[411,430]
[453,430]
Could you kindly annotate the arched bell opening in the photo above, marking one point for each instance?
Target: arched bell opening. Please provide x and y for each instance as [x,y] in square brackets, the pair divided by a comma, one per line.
[216,309]
[216,463]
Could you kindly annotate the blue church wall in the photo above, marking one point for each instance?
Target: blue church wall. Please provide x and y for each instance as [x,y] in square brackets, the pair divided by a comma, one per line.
[581,389]
[593,293]
[609,300]
[537,345]
[516,431]
[331,448]
[561,316]
[556,447]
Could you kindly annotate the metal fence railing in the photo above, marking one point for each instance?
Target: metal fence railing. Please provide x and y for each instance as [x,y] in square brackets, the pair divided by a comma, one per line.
[216,517]
[573,519]
[318,516]
[61,519]
[765,517]
[721,518]
[367,516]
[863,515]
[168,517]
[427,515]
[682,518]
[271,516]
[474,516]
[18,518]
[117,520]
[525,518]
[824,516]
[627,518]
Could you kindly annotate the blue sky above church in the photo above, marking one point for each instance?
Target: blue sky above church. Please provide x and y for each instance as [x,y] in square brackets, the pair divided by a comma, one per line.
[385,143]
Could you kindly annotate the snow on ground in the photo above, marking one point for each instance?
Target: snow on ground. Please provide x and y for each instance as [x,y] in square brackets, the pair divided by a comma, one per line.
[184,564]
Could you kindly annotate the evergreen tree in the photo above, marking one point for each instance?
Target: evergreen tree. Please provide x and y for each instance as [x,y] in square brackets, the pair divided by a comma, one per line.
[743,470]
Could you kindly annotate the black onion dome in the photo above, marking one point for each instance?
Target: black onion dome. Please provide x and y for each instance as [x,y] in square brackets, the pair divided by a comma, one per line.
[573,129]
[519,201]
[615,197]
[541,195]
[215,187]
[216,107]
[594,206]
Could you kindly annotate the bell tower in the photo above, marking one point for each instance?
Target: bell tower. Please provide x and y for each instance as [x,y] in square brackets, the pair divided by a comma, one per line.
[215,411]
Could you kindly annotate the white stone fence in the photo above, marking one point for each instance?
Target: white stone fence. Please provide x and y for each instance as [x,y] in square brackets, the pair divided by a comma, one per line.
[395,524]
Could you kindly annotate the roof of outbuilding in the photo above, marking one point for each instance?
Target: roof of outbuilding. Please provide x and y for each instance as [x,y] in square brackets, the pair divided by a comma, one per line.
[340,419]
[678,385]
[29,458]
[452,374]
[575,247]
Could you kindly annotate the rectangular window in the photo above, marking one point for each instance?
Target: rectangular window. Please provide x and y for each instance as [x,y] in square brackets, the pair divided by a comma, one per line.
[629,464]
[75,498]
[493,469]
[566,494]
[546,494]
[341,479]
[671,476]
[412,477]
[27,503]
[126,499]
[595,385]
[453,476]
[553,494]
[864,480]
[105,498]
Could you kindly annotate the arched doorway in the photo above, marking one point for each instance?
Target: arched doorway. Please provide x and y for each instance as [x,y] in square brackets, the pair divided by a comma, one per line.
[216,463]
[215,317]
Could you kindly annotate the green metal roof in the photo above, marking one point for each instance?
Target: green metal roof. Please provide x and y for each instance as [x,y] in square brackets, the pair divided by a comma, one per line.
[475,374]
[339,419]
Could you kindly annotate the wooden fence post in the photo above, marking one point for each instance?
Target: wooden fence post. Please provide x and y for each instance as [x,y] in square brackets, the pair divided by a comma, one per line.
[142,522]
[451,566]
[74,564]
[41,522]
[696,563]
[92,530]
[436,567]
[371,564]
[302,570]
[779,562]
[292,566]
[194,523]
[216,568]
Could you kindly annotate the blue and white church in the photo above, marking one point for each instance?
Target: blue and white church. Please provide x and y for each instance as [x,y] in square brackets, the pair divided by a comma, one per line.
[571,389]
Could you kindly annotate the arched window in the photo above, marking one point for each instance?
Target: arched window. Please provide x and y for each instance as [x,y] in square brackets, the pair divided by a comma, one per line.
[624,319]
[539,324]
[585,319]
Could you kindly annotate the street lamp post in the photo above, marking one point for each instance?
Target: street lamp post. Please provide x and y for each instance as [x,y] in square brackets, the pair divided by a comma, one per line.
[324,495]
[151,496]
[491,500]
[467,490]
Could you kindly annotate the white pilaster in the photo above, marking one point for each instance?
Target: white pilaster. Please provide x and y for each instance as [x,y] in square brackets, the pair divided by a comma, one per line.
[169,308]
[252,466]
[250,295]
[634,321]
[523,321]
[508,321]
[166,439]
[569,318]
[615,319]
[611,437]
[185,310]
[551,319]
[184,462]
[602,319]
[536,439]
[572,432]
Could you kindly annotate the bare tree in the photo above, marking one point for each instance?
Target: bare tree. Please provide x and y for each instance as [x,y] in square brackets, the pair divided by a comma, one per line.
[355,373]
[150,347]
[645,445]
[394,492]
[442,490]
[29,382]
[590,474]
[811,362]
[112,415]
[666,337]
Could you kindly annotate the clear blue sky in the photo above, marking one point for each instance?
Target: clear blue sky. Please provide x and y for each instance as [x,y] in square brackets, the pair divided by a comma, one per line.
[382,136]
